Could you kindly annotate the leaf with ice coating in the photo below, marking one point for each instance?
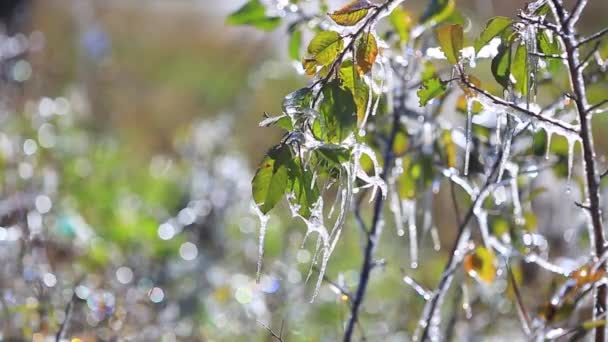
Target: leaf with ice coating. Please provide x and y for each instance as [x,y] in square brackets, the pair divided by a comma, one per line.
[519,69]
[501,65]
[337,112]
[304,188]
[549,45]
[270,181]
[357,86]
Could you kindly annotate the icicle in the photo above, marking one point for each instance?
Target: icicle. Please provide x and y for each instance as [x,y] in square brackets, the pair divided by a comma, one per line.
[517,211]
[426,294]
[506,147]
[263,223]
[571,143]
[435,237]
[409,210]
[468,134]
[396,210]
[548,150]
[466,304]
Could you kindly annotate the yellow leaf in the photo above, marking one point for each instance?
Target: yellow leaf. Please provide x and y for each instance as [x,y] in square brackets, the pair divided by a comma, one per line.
[310,66]
[481,265]
[367,51]
[450,39]
[352,13]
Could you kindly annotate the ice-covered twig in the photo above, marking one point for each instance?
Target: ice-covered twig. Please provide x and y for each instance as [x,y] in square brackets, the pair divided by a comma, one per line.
[453,260]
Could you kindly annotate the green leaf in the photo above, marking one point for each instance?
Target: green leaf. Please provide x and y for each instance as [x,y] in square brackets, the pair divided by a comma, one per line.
[437,12]
[519,69]
[429,71]
[270,181]
[337,112]
[402,23]
[352,13]
[367,51]
[357,86]
[430,89]
[451,39]
[325,47]
[305,190]
[253,13]
[297,102]
[501,65]
[494,27]
[334,156]
[549,46]
[295,41]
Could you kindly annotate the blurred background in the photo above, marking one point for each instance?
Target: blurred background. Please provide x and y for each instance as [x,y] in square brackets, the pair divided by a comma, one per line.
[128,138]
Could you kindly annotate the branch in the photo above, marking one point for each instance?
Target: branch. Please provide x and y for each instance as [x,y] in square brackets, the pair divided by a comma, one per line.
[350,46]
[554,122]
[451,264]
[592,37]
[373,233]
[592,183]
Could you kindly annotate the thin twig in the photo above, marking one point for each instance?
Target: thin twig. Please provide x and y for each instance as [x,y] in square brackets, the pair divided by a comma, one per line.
[278,336]
[448,269]
[537,116]
[373,235]
[592,37]
[520,303]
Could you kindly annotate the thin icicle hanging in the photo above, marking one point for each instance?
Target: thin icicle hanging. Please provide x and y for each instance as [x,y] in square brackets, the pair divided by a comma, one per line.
[263,223]
[469,123]
[409,210]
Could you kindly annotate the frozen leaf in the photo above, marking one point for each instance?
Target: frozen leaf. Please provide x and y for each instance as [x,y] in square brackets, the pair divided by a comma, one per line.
[304,188]
[549,45]
[481,264]
[357,86]
[402,23]
[325,47]
[430,89]
[270,181]
[253,13]
[501,65]
[337,112]
[494,27]
[519,69]
[451,40]
[352,13]
[367,51]
[295,40]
